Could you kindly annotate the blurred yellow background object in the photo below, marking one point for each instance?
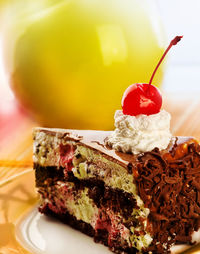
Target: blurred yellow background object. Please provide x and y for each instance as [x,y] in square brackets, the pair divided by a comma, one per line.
[70,61]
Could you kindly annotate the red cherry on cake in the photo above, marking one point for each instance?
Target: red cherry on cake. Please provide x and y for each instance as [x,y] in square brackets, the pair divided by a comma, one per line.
[141,99]
[145,98]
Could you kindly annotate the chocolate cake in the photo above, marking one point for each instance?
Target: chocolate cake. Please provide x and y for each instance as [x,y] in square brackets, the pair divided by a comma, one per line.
[144,203]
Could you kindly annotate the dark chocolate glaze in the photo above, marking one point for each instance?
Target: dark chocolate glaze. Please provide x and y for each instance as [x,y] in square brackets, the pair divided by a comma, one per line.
[96,140]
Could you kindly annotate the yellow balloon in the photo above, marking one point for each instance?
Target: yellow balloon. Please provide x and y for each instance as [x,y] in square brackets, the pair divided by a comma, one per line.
[72,60]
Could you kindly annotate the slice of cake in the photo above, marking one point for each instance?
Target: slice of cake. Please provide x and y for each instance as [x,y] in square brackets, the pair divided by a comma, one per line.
[144,202]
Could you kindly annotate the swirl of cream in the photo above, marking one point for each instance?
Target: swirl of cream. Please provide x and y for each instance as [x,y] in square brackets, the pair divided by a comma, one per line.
[142,133]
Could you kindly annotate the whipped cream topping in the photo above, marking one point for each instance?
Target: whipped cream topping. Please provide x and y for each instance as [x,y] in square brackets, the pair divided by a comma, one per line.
[142,133]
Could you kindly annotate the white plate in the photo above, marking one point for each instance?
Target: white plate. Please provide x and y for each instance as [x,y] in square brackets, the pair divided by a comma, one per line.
[44,235]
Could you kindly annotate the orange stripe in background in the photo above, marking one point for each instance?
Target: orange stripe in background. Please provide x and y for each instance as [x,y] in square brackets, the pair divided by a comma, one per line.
[15,163]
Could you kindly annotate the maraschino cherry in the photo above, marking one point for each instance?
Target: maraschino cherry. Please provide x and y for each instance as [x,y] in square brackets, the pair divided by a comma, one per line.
[145,98]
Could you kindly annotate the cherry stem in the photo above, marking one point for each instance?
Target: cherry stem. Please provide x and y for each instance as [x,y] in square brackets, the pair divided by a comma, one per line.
[173,42]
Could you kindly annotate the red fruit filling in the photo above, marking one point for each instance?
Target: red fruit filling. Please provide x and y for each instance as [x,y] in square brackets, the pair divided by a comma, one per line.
[66,156]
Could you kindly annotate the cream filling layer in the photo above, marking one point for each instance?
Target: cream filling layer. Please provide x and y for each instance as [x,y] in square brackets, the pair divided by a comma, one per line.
[115,176]
[46,150]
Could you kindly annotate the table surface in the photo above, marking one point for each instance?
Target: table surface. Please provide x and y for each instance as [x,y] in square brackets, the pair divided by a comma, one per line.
[16,176]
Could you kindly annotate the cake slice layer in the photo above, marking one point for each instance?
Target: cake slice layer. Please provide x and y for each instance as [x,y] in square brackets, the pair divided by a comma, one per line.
[146,202]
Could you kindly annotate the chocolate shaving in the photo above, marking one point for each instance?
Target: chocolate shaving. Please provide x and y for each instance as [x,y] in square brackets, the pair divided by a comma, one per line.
[171,190]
